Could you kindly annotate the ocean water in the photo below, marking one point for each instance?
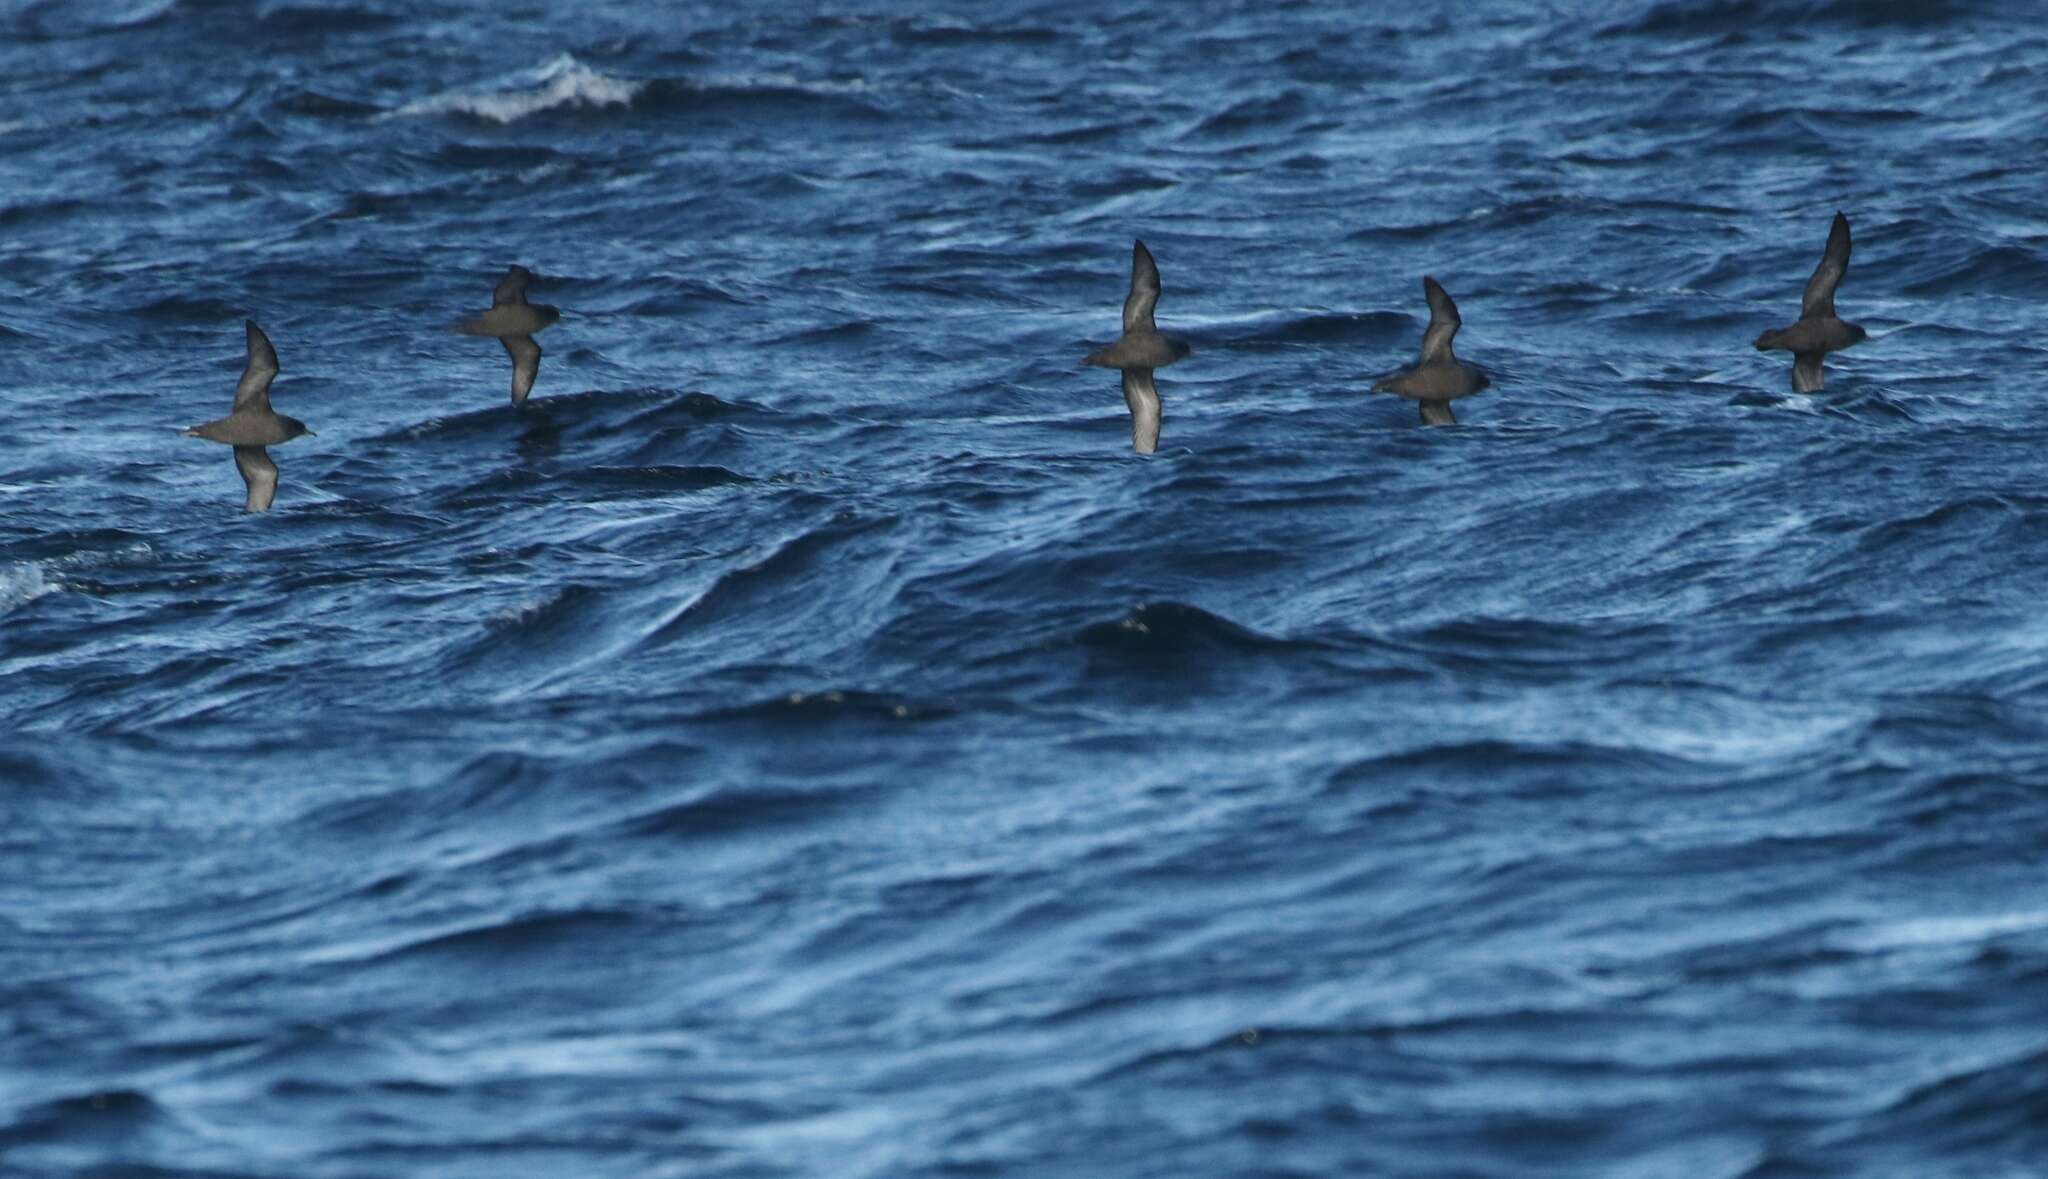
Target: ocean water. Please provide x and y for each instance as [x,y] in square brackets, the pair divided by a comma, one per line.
[805,741]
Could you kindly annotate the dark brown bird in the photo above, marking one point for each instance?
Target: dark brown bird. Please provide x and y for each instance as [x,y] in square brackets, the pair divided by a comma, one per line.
[253,425]
[1819,330]
[1140,350]
[1439,378]
[513,320]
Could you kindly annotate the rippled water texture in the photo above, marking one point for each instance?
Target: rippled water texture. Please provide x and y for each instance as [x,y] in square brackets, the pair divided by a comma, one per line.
[806,741]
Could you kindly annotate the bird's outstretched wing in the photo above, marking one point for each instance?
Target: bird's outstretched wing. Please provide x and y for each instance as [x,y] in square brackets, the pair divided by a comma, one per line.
[1144,294]
[253,391]
[1142,396]
[1819,299]
[1443,321]
[525,365]
[512,287]
[260,474]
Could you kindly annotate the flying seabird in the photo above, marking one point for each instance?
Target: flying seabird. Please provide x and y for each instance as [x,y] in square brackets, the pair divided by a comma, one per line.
[513,320]
[253,425]
[1439,377]
[1141,350]
[1819,331]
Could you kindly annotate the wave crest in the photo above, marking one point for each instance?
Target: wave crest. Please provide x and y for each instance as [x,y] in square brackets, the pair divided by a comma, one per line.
[25,582]
[564,83]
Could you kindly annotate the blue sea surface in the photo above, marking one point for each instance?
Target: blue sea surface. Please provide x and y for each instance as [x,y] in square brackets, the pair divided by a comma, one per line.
[806,741]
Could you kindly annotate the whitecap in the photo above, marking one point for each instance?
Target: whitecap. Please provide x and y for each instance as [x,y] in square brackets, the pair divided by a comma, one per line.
[1913,933]
[772,81]
[561,83]
[25,582]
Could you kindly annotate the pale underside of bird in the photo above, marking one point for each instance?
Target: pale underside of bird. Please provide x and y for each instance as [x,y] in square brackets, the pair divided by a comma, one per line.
[1818,330]
[1140,350]
[514,321]
[1439,377]
[252,424]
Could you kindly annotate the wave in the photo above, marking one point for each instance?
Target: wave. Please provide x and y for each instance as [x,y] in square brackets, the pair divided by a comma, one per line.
[760,94]
[740,596]
[1555,764]
[1946,532]
[1530,212]
[1173,630]
[321,21]
[1255,114]
[912,33]
[301,100]
[562,84]
[543,933]
[563,627]
[2003,1102]
[54,20]
[1517,647]
[617,482]
[1688,17]
[655,478]
[25,582]
[2007,269]
[851,332]
[566,84]
[1509,215]
[1783,118]
[804,710]
[634,412]
[1283,329]
[34,767]
[192,311]
[1085,131]
[727,813]
[39,212]
[108,1113]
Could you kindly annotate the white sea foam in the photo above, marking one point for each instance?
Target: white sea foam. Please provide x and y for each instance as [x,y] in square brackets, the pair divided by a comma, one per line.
[756,81]
[561,83]
[1911,933]
[25,582]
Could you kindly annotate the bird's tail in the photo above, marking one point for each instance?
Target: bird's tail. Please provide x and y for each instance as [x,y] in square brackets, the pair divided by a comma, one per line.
[1807,374]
